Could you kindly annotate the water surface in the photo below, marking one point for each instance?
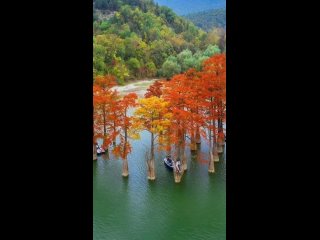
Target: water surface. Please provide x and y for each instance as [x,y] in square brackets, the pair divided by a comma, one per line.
[135,208]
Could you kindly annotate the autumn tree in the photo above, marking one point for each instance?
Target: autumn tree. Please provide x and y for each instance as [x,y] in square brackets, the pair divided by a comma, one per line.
[153,116]
[194,98]
[174,92]
[123,148]
[154,89]
[214,76]
[105,113]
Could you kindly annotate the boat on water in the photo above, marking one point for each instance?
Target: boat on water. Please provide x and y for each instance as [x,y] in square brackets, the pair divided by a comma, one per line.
[100,150]
[168,163]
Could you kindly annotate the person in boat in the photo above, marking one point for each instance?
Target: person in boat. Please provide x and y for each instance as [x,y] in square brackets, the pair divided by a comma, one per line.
[169,160]
[178,165]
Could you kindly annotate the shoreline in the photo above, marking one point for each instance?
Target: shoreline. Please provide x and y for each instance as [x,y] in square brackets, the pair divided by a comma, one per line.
[136,86]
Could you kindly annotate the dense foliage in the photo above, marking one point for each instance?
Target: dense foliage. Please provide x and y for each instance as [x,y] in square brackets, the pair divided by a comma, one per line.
[209,19]
[183,7]
[139,39]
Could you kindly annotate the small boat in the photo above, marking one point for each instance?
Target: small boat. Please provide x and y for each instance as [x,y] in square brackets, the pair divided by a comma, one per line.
[168,164]
[100,150]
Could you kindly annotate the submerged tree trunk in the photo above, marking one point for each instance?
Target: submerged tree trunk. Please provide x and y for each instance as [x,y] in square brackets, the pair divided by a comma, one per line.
[95,157]
[180,155]
[219,147]
[151,169]
[125,168]
[114,132]
[107,153]
[215,151]
[214,157]
[183,158]
[105,131]
[213,154]
[211,163]
[176,173]
[150,161]
[193,144]
[220,142]
[104,122]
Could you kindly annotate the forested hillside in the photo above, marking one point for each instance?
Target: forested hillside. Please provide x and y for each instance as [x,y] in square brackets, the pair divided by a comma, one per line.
[138,39]
[209,19]
[183,7]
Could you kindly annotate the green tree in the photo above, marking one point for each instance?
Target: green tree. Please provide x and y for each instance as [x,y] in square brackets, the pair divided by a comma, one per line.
[151,69]
[170,68]
[134,66]
[119,69]
[211,50]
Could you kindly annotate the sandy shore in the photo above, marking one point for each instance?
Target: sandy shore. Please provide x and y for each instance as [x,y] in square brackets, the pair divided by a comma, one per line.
[139,87]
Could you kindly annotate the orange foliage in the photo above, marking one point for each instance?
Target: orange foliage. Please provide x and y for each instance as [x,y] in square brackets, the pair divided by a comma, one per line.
[105,103]
[195,100]
[214,76]
[124,123]
[198,101]
[154,90]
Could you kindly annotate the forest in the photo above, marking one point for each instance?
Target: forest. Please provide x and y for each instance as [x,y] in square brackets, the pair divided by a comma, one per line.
[137,39]
[214,18]
[183,7]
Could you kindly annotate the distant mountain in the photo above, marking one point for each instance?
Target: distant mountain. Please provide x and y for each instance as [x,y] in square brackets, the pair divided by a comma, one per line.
[214,18]
[183,7]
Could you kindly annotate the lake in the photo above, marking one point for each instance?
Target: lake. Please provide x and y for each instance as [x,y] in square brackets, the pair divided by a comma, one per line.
[136,208]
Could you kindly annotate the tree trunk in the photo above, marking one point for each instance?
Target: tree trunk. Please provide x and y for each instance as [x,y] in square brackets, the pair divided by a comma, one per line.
[95,156]
[211,163]
[150,161]
[184,159]
[125,168]
[193,144]
[219,147]
[198,138]
[107,153]
[151,170]
[105,130]
[177,175]
[215,143]
[104,122]
[114,131]
[220,142]
[215,155]
[181,155]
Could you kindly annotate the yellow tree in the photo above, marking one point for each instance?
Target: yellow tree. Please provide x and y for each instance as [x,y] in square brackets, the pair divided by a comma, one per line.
[153,116]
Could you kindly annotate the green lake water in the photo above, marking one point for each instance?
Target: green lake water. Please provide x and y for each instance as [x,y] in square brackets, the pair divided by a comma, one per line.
[135,208]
